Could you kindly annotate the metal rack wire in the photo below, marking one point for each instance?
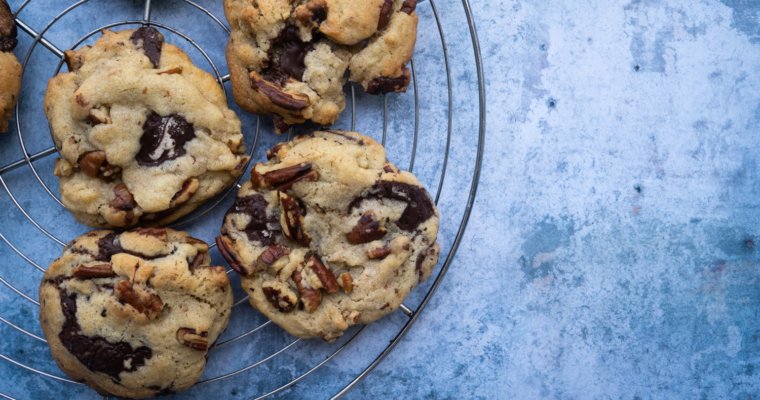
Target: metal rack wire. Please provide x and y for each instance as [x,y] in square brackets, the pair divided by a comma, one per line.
[29,159]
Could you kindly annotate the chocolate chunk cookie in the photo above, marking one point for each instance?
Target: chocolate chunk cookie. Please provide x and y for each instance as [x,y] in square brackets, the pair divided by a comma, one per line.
[134,314]
[10,69]
[288,58]
[145,135]
[328,234]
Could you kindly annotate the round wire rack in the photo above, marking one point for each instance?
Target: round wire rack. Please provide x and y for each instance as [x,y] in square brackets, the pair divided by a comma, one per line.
[29,159]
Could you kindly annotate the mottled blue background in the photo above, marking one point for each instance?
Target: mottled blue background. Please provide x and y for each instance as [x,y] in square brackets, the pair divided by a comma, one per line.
[611,252]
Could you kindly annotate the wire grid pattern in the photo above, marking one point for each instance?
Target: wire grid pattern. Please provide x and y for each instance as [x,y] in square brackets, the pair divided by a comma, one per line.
[146,21]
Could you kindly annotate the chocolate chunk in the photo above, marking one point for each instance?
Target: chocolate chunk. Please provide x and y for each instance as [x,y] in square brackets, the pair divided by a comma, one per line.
[161,392]
[163,139]
[418,264]
[318,10]
[287,56]
[281,302]
[263,228]
[385,13]
[150,40]
[409,6]
[95,352]
[8,30]
[419,204]
[108,246]
[383,85]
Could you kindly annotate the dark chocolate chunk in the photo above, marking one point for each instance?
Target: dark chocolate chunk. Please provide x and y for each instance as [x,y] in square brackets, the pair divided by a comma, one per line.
[409,6]
[95,352]
[163,139]
[151,43]
[382,85]
[385,13]
[419,204]
[263,228]
[287,56]
[8,30]
[107,247]
[318,10]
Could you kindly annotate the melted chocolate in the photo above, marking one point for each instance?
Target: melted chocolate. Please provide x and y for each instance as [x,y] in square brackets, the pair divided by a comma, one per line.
[419,206]
[95,352]
[263,228]
[151,43]
[382,85]
[287,56]
[107,247]
[158,132]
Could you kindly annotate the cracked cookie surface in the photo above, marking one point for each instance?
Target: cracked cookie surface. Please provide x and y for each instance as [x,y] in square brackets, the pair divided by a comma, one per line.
[145,135]
[134,314]
[10,69]
[328,234]
[288,58]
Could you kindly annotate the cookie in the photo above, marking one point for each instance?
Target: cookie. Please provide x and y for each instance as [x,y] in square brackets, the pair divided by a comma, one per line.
[145,136]
[328,234]
[134,314]
[10,69]
[288,58]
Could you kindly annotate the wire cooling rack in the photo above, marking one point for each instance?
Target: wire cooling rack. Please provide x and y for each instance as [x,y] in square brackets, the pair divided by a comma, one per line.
[411,314]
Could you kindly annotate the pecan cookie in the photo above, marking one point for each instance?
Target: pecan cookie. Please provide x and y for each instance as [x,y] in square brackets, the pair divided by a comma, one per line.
[328,234]
[134,314]
[145,135]
[288,58]
[10,69]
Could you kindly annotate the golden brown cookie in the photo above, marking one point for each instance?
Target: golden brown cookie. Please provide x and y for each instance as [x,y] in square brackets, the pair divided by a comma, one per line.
[328,234]
[145,135]
[134,314]
[10,69]
[288,58]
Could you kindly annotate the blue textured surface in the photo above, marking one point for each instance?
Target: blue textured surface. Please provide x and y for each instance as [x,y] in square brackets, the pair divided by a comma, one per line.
[611,251]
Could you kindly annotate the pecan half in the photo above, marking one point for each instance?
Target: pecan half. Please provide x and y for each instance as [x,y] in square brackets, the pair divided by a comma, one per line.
[279,296]
[391,169]
[288,101]
[347,282]
[197,262]
[323,273]
[366,230]
[230,256]
[292,221]
[311,298]
[278,176]
[310,176]
[193,340]
[123,201]
[272,254]
[95,271]
[127,295]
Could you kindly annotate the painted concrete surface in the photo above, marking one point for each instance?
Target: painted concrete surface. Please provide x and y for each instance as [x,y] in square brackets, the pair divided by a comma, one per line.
[611,252]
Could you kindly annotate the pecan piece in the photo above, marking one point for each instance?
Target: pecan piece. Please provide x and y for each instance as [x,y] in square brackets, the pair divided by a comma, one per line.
[74,59]
[180,198]
[366,230]
[347,282]
[391,169]
[272,254]
[292,221]
[310,176]
[311,298]
[94,271]
[278,176]
[123,201]
[125,292]
[377,252]
[288,101]
[193,340]
[276,149]
[199,245]
[170,70]
[230,256]
[323,273]
[63,168]
[280,126]
[280,296]
[99,115]
[315,11]
[91,162]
